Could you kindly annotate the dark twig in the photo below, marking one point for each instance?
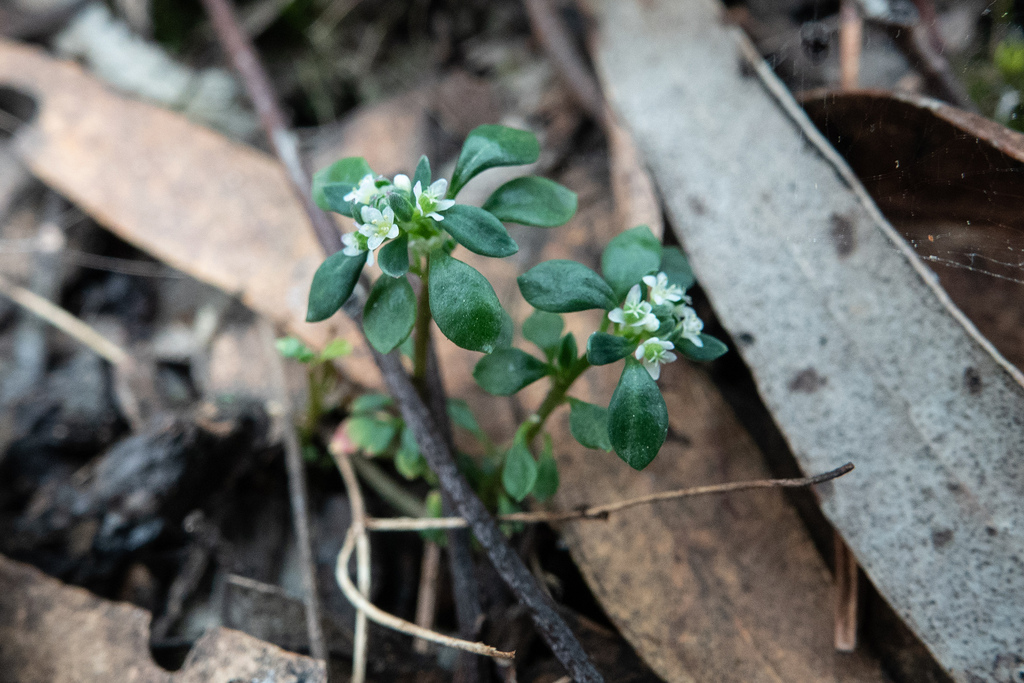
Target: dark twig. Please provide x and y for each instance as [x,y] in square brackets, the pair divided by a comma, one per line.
[297,496]
[420,419]
[507,563]
[243,57]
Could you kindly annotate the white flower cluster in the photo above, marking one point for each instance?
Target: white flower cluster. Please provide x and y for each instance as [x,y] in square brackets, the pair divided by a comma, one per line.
[636,317]
[375,225]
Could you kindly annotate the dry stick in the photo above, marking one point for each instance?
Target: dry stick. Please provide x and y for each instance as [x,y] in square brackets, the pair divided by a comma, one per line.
[297,495]
[358,528]
[851,32]
[507,563]
[510,567]
[243,57]
[65,322]
[426,598]
[847,596]
[602,511]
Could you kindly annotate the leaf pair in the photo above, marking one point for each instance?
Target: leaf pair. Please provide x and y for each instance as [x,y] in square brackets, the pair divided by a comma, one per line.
[522,475]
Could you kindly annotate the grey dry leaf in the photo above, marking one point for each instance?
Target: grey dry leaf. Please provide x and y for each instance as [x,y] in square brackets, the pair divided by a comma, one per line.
[53,633]
[925,406]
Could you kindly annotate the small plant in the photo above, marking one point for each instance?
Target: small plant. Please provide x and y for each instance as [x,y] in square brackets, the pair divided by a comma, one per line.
[414,226]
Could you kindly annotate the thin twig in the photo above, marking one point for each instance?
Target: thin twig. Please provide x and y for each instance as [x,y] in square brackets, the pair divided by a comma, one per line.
[426,598]
[65,322]
[297,496]
[602,511]
[243,57]
[360,601]
[851,39]
[847,596]
[357,532]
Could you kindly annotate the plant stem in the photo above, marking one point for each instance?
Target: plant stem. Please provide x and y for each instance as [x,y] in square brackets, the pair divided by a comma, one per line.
[555,397]
[422,332]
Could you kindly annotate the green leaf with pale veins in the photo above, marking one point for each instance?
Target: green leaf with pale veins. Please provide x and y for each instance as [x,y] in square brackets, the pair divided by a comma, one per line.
[561,286]
[520,472]
[465,307]
[589,425]
[628,257]
[479,231]
[340,177]
[333,283]
[532,201]
[637,417]
[506,371]
[490,146]
[390,313]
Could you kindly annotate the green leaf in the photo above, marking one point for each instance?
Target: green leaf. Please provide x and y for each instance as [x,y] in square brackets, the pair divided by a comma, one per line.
[434,508]
[628,257]
[565,287]
[465,307]
[532,201]
[677,267]
[547,473]
[603,348]
[371,435]
[408,460]
[711,350]
[394,256]
[401,204]
[589,425]
[333,283]
[545,330]
[567,351]
[506,371]
[461,414]
[520,472]
[489,146]
[478,231]
[346,172]
[637,417]
[422,174]
[291,347]
[390,313]
[336,349]
[369,403]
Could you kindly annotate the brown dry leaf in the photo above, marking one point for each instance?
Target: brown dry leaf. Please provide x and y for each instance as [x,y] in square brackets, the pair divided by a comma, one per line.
[215,209]
[951,183]
[54,633]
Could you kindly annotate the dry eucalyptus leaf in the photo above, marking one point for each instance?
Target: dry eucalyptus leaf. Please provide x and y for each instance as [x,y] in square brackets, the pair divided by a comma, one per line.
[856,349]
[215,209]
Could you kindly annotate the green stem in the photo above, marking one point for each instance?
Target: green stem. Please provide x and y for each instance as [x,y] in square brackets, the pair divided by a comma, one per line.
[393,493]
[556,396]
[422,332]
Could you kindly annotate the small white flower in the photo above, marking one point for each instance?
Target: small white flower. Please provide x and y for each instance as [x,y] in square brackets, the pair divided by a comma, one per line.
[635,313]
[351,242]
[654,353]
[377,226]
[690,325]
[661,291]
[429,201]
[403,183]
[365,192]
